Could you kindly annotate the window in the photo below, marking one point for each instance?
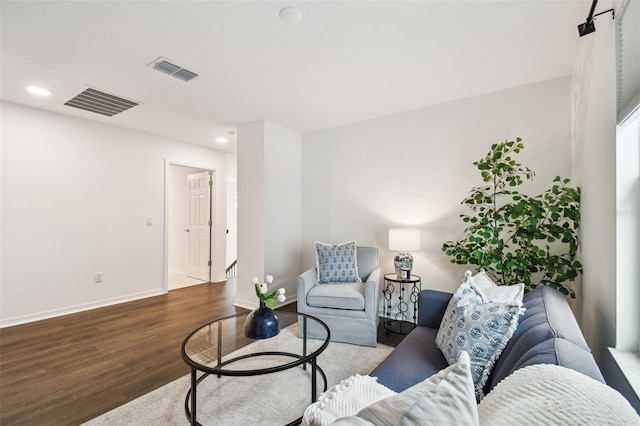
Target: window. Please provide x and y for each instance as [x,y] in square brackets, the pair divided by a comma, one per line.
[628,235]
[628,176]
[627,351]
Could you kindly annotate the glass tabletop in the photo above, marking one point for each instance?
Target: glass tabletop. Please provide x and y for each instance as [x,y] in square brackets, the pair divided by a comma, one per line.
[394,278]
[221,346]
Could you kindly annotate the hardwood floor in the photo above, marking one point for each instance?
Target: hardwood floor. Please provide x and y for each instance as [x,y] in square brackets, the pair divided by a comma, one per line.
[70,369]
[67,370]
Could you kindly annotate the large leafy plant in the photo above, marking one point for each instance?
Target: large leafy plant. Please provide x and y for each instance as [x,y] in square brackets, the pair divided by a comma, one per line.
[518,238]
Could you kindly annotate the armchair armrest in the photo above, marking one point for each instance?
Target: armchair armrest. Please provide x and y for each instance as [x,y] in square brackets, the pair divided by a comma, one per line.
[432,305]
[372,293]
[306,281]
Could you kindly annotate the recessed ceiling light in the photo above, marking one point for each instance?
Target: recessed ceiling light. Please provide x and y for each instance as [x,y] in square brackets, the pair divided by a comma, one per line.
[38,91]
[290,15]
[222,140]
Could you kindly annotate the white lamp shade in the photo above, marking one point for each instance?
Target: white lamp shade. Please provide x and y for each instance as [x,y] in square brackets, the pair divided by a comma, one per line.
[404,239]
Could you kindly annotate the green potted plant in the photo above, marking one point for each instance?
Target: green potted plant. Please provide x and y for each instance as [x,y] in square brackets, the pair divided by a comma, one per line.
[518,238]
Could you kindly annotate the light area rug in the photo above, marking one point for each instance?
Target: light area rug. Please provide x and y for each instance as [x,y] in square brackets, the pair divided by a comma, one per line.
[271,399]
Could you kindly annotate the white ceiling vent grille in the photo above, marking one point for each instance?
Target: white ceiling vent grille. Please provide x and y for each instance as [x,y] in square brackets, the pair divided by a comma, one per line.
[168,67]
[94,100]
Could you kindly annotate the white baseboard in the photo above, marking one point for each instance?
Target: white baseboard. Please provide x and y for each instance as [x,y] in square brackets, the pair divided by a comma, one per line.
[8,322]
[246,304]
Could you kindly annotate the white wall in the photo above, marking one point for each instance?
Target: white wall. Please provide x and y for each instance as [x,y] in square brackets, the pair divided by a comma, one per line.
[415,168]
[594,154]
[250,211]
[75,196]
[269,208]
[283,201]
[594,130]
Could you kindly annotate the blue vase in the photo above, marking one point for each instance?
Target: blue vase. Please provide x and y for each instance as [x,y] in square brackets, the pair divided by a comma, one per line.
[262,323]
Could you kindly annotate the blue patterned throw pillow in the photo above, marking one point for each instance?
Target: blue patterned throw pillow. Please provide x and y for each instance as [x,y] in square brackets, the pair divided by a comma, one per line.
[478,325]
[337,263]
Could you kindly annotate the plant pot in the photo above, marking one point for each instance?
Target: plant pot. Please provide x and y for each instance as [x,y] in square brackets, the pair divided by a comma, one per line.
[262,323]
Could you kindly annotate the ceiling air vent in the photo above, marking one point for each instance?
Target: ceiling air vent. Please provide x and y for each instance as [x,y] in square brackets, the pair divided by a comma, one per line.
[167,67]
[94,100]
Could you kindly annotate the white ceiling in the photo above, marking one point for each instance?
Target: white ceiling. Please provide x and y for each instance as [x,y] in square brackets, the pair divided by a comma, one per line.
[345,61]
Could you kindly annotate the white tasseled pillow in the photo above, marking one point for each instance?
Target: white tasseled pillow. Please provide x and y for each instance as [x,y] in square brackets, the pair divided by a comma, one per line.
[346,398]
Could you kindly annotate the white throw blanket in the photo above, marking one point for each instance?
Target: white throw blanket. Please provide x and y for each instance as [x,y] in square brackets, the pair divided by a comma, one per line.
[541,394]
[546,394]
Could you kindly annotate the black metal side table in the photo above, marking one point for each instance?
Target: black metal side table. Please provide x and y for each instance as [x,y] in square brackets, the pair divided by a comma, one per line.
[400,322]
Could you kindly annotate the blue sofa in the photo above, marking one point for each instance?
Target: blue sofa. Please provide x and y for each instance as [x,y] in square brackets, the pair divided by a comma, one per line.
[547,333]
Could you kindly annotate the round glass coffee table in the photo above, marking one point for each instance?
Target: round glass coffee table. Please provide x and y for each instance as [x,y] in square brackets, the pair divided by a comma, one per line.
[220,347]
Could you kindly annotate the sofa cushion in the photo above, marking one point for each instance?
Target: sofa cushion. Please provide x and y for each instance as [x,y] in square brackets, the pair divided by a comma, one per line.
[479,325]
[551,394]
[432,304]
[447,397]
[547,334]
[349,296]
[418,349]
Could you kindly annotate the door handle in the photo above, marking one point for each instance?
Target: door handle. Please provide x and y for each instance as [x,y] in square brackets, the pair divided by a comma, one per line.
[186,230]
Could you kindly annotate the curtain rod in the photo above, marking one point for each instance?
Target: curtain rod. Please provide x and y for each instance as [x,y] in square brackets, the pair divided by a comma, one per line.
[589,25]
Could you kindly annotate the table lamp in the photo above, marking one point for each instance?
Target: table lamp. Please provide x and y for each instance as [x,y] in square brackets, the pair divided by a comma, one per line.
[404,240]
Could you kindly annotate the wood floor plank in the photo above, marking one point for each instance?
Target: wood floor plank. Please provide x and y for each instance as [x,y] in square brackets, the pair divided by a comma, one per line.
[70,369]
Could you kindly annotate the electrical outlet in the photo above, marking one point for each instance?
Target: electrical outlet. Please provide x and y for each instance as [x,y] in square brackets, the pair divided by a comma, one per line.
[149,221]
[98,277]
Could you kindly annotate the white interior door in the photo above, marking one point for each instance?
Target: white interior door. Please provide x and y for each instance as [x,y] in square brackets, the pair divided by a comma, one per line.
[199,227]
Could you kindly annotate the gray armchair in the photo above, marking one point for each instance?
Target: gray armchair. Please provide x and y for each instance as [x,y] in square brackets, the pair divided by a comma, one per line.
[350,310]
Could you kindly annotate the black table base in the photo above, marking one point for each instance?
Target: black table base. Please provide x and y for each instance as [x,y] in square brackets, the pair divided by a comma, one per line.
[195,381]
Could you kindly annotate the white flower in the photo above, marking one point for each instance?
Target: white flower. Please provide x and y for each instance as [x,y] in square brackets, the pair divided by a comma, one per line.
[254,280]
[263,288]
[281,298]
[280,291]
[269,279]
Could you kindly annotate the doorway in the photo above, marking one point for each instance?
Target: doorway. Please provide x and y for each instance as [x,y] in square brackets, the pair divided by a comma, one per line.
[189,225]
